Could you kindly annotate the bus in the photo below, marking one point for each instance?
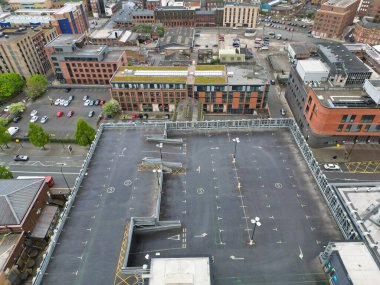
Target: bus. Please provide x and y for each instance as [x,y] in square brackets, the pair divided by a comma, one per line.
[49,180]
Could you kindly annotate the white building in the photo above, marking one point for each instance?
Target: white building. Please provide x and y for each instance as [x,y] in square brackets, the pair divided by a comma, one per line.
[312,70]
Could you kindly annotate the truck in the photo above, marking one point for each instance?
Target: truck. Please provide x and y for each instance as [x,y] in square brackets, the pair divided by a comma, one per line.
[49,180]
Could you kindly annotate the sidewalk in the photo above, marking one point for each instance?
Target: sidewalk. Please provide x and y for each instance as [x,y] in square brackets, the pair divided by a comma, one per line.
[348,153]
[52,149]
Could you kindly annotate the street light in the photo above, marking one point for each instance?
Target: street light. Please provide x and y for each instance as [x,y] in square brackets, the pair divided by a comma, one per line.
[236,140]
[256,222]
[158,179]
[160,146]
[64,178]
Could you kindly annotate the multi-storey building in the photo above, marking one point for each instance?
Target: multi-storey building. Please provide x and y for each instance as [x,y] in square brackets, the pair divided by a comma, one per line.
[143,17]
[111,37]
[173,16]
[74,62]
[213,4]
[219,89]
[367,31]
[151,4]
[345,68]
[71,19]
[240,15]
[22,52]
[60,3]
[370,8]
[333,17]
[205,18]
[327,114]
[30,4]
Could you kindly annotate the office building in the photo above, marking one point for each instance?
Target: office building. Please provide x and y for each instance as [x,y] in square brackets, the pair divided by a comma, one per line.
[22,52]
[71,19]
[240,15]
[30,4]
[367,31]
[370,8]
[219,89]
[334,17]
[174,16]
[328,114]
[74,62]
[345,68]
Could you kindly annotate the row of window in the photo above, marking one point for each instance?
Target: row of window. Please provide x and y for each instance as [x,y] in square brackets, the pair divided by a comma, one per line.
[93,70]
[363,119]
[358,128]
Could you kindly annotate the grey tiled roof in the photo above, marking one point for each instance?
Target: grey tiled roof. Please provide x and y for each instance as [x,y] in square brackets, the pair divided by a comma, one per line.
[16,197]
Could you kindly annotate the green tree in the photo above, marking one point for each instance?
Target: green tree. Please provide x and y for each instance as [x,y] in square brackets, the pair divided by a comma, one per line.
[5,137]
[36,86]
[84,134]
[5,173]
[17,108]
[160,31]
[37,136]
[3,122]
[10,83]
[111,107]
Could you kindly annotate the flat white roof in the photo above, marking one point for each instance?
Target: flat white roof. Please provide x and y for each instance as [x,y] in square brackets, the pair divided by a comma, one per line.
[26,19]
[358,262]
[106,33]
[311,65]
[125,36]
[69,7]
[26,1]
[36,11]
[195,271]
[227,51]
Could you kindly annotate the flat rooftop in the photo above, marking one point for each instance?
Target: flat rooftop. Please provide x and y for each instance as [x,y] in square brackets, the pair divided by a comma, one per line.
[65,39]
[27,19]
[339,3]
[363,203]
[215,214]
[123,16]
[106,34]
[344,97]
[177,36]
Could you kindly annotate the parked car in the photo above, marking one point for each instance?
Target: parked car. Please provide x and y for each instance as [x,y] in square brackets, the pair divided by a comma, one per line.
[70,114]
[67,90]
[13,130]
[6,109]
[91,103]
[34,112]
[331,166]
[96,103]
[91,114]
[59,114]
[57,102]
[17,119]
[19,157]
[71,98]
[44,119]
[34,119]
[66,103]
[87,102]
[85,97]
[134,116]
[273,82]
[102,102]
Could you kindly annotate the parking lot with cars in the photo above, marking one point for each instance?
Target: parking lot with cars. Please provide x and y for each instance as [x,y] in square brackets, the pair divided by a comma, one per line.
[58,110]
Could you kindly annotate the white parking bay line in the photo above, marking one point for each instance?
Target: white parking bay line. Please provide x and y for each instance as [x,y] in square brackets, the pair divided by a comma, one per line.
[43,172]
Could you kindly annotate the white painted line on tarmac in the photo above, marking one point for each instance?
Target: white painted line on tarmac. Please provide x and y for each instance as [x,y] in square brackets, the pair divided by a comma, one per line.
[43,172]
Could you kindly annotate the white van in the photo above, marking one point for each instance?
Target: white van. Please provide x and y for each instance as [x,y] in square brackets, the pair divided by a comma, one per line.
[13,130]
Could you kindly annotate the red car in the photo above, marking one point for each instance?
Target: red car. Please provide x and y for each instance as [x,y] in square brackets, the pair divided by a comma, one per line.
[70,114]
[59,114]
[134,116]
[101,102]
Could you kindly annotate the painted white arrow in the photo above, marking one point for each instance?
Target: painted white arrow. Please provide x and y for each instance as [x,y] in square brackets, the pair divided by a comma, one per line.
[201,236]
[236,258]
[301,253]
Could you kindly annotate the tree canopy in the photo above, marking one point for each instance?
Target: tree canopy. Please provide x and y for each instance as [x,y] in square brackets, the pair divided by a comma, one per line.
[111,107]
[84,134]
[5,173]
[37,136]
[10,84]
[5,137]
[36,86]
[17,108]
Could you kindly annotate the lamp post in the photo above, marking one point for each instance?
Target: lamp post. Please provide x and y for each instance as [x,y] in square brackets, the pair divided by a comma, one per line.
[64,178]
[256,222]
[158,178]
[236,141]
[160,146]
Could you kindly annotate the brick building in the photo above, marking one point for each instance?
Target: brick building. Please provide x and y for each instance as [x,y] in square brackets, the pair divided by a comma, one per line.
[112,37]
[151,4]
[143,17]
[71,19]
[213,4]
[333,18]
[240,15]
[22,52]
[173,16]
[205,18]
[367,31]
[328,114]
[370,8]
[74,62]
[122,19]
[219,89]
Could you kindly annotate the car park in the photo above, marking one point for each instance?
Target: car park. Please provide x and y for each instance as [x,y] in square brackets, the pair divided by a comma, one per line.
[34,113]
[70,114]
[19,157]
[34,119]
[91,114]
[59,114]
[331,166]
[44,119]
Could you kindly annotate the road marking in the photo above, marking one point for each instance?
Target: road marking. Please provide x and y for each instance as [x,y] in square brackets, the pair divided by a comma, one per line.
[110,190]
[301,253]
[175,237]
[200,191]
[201,236]
[43,172]
[214,148]
[236,258]
[128,182]
[278,185]
[199,169]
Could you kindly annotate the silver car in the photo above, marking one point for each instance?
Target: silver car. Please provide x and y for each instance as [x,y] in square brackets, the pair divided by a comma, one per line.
[44,119]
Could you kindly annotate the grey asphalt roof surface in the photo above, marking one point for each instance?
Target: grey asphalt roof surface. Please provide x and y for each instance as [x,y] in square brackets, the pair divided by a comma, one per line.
[275,186]
[215,214]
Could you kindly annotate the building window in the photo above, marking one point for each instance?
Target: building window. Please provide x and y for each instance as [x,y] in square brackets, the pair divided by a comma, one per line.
[340,128]
[348,118]
[366,128]
[348,128]
[367,118]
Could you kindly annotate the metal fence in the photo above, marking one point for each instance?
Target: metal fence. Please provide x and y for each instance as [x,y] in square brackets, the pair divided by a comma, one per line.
[346,226]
